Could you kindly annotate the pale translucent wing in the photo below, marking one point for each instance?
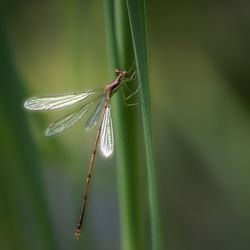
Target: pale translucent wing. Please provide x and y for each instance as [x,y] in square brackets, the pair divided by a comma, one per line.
[56,101]
[67,121]
[107,136]
[93,119]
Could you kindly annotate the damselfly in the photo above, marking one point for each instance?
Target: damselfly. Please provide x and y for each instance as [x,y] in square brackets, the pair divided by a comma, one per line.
[97,99]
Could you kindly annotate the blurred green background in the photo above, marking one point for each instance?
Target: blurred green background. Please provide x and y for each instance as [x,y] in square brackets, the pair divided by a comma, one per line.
[199,75]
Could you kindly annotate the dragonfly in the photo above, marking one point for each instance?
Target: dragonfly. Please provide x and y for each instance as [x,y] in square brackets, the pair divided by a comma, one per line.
[97,101]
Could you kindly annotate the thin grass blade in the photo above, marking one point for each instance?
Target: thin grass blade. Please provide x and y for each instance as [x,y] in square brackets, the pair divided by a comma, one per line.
[120,52]
[136,11]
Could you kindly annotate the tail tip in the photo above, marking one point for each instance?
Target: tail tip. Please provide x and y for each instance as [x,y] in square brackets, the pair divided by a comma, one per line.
[77,234]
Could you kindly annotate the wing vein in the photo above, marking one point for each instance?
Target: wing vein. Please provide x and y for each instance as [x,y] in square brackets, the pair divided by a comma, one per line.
[107,136]
[67,121]
[56,102]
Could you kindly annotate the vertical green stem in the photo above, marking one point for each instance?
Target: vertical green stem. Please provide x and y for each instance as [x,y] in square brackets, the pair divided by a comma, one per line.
[136,10]
[126,131]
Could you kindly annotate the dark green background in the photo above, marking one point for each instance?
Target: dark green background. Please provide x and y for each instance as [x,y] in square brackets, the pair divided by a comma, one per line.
[199,77]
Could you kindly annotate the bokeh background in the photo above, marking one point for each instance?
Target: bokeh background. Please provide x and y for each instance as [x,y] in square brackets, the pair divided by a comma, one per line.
[199,74]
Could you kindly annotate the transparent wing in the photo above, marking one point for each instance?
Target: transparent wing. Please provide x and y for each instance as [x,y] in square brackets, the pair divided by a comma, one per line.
[67,121]
[56,101]
[93,119]
[107,136]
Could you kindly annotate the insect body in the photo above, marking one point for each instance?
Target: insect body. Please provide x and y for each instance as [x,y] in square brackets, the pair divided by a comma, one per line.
[102,111]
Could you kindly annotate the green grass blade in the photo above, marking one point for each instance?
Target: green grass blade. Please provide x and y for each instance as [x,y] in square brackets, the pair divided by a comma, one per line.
[120,53]
[136,11]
